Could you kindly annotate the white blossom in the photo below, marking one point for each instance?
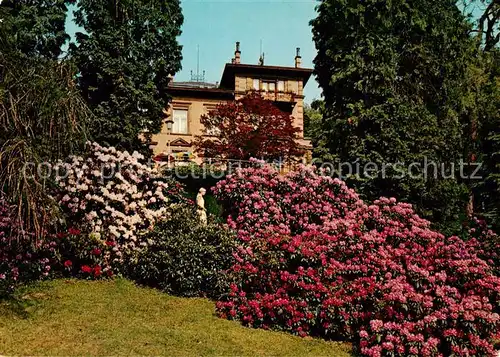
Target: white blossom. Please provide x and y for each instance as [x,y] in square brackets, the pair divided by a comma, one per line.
[115,206]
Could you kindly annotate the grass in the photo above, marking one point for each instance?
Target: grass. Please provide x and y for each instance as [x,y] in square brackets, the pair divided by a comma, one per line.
[118,318]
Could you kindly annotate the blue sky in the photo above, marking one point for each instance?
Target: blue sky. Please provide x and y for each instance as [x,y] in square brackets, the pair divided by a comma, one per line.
[215,25]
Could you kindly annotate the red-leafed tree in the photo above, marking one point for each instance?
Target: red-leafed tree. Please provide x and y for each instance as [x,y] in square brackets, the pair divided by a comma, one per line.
[250,127]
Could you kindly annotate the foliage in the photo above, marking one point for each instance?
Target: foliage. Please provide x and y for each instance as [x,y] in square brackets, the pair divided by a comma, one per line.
[490,242]
[111,193]
[193,177]
[392,75]
[315,259]
[21,260]
[42,119]
[85,256]
[486,17]
[70,253]
[313,116]
[214,209]
[487,190]
[246,128]
[125,57]
[186,258]
[36,28]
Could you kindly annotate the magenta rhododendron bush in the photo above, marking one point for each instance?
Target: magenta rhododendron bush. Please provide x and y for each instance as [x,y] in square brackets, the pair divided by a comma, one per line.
[316,260]
[22,258]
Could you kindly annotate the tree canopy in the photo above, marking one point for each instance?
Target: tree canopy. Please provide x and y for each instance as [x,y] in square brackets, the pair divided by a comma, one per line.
[392,74]
[36,27]
[125,56]
[250,127]
[42,115]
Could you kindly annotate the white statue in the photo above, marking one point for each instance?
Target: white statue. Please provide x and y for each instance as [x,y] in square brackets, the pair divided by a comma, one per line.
[200,206]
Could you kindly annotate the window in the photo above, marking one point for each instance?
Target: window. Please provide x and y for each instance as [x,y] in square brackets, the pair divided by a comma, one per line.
[269,86]
[256,84]
[180,125]
[281,86]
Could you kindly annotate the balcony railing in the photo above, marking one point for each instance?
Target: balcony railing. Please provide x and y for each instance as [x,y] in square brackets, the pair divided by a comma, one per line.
[279,96]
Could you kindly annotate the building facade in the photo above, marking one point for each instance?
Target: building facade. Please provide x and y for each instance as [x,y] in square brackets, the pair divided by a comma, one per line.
[190,100]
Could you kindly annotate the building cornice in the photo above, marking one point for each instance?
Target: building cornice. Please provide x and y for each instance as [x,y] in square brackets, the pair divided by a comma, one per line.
[232,69]
[216,93]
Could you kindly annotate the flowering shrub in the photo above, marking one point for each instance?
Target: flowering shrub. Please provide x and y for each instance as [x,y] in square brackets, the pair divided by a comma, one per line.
[22,259]
[315,259]
[85,255]
[112,195]
[487,243]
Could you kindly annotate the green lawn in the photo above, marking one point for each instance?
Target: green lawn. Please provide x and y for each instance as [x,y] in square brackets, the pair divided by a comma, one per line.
[118,318]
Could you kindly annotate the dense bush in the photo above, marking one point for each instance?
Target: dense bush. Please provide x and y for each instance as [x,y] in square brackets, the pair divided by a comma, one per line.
[194,176]
[487,241]
[22,259]
[112,194]
[186,258]
[85,255]
[315,259]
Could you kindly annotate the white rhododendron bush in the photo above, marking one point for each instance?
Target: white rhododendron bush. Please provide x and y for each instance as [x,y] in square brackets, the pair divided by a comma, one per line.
[111,195]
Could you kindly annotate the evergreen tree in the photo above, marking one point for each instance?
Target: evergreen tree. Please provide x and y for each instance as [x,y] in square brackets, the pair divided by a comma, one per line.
[487,189]
[313,115]
[125,57]
[392,74]
[485,15]
[36,27]
[483,107]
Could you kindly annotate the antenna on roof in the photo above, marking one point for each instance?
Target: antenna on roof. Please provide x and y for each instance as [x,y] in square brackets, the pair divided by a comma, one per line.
[198,61]
[261,58]
[198,77]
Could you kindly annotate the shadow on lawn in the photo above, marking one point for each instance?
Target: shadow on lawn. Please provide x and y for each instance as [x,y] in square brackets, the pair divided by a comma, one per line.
[24,301]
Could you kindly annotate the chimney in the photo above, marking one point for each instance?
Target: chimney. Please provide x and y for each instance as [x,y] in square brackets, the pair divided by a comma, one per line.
[298,59]
[237,54]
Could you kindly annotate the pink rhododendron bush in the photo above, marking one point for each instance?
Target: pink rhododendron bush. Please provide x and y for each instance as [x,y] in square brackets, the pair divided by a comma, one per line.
[114,198]
[490,243]
[314,259]
[22,258]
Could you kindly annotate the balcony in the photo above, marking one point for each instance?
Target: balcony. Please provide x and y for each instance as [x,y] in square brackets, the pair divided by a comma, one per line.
[279,96]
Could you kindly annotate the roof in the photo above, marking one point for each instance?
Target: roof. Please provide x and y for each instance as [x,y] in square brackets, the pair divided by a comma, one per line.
[231,69]
[200,92]
[193,84]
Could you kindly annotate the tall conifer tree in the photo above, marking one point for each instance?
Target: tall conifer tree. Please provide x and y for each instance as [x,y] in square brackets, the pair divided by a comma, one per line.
[36,27]
[392,74]
[125,56]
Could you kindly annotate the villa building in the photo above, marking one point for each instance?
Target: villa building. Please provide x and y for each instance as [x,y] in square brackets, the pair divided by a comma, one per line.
[190,100]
